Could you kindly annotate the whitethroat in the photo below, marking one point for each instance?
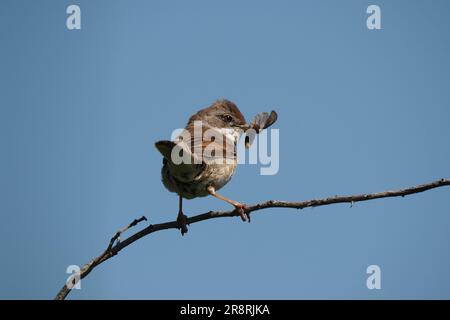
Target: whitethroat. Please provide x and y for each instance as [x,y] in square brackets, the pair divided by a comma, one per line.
[202,159]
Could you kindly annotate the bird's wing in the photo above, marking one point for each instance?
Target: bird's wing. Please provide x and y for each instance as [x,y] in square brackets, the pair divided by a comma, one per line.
[181,162]
[213,146]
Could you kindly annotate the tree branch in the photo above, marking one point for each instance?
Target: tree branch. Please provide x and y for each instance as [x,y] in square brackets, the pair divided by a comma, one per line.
[115,245]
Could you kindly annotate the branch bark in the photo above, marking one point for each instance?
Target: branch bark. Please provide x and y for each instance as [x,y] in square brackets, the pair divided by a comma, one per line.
[115,245]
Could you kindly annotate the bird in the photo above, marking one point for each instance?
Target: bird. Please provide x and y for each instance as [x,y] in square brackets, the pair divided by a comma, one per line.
[203,158]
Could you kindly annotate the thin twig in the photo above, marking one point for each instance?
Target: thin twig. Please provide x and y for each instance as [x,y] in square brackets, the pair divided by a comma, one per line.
[119,233]
[115,247]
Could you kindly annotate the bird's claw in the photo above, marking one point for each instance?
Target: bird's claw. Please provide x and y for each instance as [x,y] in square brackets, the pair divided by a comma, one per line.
[241,210]
[182,223]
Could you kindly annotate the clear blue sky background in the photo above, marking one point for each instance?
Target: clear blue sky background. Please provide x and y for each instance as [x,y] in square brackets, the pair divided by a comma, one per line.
[359,111]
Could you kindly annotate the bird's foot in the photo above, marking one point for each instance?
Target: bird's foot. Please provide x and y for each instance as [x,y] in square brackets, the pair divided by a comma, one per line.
[241,209]
[182,223]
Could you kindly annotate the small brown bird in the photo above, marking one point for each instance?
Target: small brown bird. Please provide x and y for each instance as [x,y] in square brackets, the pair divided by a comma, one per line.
[207,149]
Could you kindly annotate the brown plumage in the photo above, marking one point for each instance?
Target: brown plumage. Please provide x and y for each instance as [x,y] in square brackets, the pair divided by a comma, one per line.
[208,154]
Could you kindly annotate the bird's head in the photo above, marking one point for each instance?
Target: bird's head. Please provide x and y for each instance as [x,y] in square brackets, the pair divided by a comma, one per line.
[221,114]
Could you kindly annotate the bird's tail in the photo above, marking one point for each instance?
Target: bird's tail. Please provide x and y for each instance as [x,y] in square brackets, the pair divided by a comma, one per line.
[165,148]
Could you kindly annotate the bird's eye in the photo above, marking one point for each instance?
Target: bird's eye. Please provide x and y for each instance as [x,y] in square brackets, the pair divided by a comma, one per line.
[227,118]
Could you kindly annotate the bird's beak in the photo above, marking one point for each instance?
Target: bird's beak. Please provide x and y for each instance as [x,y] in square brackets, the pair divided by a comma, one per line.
[245,127]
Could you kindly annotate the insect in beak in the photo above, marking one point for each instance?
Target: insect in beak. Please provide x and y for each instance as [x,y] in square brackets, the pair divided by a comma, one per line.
[261,121]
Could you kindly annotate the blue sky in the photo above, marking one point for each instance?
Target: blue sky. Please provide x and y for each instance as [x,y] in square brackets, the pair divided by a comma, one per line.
[359,111]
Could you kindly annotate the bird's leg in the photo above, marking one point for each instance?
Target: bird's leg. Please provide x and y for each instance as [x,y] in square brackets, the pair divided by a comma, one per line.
[181,218]
[240,207]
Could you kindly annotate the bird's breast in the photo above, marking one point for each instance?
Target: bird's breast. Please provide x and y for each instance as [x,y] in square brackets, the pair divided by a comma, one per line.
[217,175]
